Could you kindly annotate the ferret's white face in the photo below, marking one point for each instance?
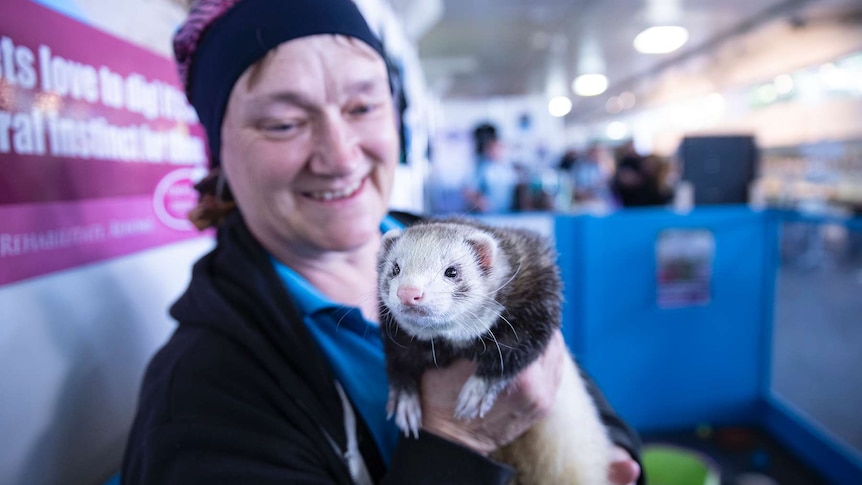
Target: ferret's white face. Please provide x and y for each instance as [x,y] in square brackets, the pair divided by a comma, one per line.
[440,285]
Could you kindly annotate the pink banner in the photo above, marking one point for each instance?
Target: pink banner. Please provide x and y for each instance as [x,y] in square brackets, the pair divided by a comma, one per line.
[47,237]
[98,145]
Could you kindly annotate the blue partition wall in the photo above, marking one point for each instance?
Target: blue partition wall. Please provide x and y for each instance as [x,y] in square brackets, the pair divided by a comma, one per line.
[668,368]
[700,364]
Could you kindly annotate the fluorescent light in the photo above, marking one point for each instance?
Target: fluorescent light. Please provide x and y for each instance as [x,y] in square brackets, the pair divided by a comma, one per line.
[613,105]
[559,106]
[783,84]
[627,99]
[617,130]
[617,104]
[766,94]
[715,103]
[590,84]
[661,39]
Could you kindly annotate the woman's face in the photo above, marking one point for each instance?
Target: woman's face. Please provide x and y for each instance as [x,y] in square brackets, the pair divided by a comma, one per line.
[310,145]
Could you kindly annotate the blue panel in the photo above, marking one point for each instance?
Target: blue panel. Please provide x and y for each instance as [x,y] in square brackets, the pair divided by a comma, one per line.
[568,234]
[819,449]
[669,368]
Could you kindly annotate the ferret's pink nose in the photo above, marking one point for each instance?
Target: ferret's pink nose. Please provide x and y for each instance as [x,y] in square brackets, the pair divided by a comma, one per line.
[410,295]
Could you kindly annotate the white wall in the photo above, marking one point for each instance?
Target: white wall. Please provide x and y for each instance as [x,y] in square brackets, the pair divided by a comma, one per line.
[73,348]
[409,177]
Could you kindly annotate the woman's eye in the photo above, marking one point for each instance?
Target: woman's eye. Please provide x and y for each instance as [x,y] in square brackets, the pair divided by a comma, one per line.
[362,109]
[280,127]
[451,272]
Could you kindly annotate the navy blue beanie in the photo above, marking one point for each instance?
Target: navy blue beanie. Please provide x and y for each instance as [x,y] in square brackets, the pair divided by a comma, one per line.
[241,35]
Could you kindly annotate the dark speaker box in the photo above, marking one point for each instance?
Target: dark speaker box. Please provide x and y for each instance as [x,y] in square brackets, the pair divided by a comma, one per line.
[721,168]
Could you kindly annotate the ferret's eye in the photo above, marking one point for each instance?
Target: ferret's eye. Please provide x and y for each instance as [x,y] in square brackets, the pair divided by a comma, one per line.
[451,272]
[396,270]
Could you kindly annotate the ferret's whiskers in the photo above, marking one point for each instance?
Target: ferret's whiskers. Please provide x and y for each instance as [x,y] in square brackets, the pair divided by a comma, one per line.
[510,326]
[485,298]
[472,324]
[476,325]
[481,337]
[392,339]
[477,330]
[499,350]
[434,354]
[511,278]
[343,316]
[498,343]
[485,302]
[345,308]
[485,333]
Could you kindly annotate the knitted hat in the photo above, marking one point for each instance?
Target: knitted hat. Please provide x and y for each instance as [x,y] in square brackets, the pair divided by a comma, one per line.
[220,39]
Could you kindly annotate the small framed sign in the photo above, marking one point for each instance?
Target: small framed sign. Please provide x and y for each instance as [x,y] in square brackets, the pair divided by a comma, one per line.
[684,259]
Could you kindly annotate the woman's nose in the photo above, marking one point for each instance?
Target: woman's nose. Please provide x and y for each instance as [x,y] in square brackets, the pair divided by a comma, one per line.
[337,151]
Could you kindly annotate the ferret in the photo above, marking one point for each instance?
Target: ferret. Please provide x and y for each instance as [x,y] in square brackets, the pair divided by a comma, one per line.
[458,288]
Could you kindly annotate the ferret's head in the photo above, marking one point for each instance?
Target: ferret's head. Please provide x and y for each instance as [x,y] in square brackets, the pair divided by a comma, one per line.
[440,280]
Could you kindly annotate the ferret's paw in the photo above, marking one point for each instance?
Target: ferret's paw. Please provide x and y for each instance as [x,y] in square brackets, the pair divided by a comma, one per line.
[407,409]
[476,398]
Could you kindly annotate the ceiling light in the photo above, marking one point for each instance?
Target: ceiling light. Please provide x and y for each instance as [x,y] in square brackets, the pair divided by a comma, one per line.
[715,103]
[783,84]
[613,105]
[559,106]
[765,94]
[627,99]
[617,130]
[661,39]
[590,84]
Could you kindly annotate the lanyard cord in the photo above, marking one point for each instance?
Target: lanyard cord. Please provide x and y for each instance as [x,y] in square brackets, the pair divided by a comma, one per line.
[358,470]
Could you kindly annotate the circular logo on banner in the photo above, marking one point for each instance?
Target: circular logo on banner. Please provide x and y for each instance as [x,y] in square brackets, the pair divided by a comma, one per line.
[175,196]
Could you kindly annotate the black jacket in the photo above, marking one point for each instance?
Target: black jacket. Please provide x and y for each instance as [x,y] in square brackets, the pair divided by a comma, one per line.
[242,394]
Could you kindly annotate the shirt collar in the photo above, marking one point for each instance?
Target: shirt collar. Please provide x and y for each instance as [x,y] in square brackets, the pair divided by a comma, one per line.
[389,223]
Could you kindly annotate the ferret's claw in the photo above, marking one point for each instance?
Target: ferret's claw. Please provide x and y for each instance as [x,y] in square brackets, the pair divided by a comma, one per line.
[476,399]
[407,409]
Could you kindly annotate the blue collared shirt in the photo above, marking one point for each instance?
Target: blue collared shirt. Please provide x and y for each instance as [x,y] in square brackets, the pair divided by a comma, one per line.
[353,347]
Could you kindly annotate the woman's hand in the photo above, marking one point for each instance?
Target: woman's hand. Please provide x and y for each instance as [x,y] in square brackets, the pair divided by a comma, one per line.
[527,399]
[623,469]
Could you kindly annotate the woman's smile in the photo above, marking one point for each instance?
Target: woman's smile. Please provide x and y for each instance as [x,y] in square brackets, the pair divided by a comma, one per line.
[346,192]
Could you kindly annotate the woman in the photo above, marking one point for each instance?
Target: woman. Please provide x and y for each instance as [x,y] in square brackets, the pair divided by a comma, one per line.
[275,373]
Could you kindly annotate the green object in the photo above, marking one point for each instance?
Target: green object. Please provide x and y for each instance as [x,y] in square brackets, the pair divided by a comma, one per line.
[703,431]
[674,465]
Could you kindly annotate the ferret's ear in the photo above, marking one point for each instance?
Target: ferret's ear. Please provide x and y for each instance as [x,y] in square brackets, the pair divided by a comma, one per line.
[389,239]
[486,249]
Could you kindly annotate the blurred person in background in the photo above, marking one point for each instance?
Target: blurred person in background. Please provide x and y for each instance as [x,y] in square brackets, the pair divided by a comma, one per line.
[494,185]
[640,180]
[589,181]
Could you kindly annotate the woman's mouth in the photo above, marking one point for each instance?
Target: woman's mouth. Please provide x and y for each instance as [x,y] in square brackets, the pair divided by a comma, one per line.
[337,194]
